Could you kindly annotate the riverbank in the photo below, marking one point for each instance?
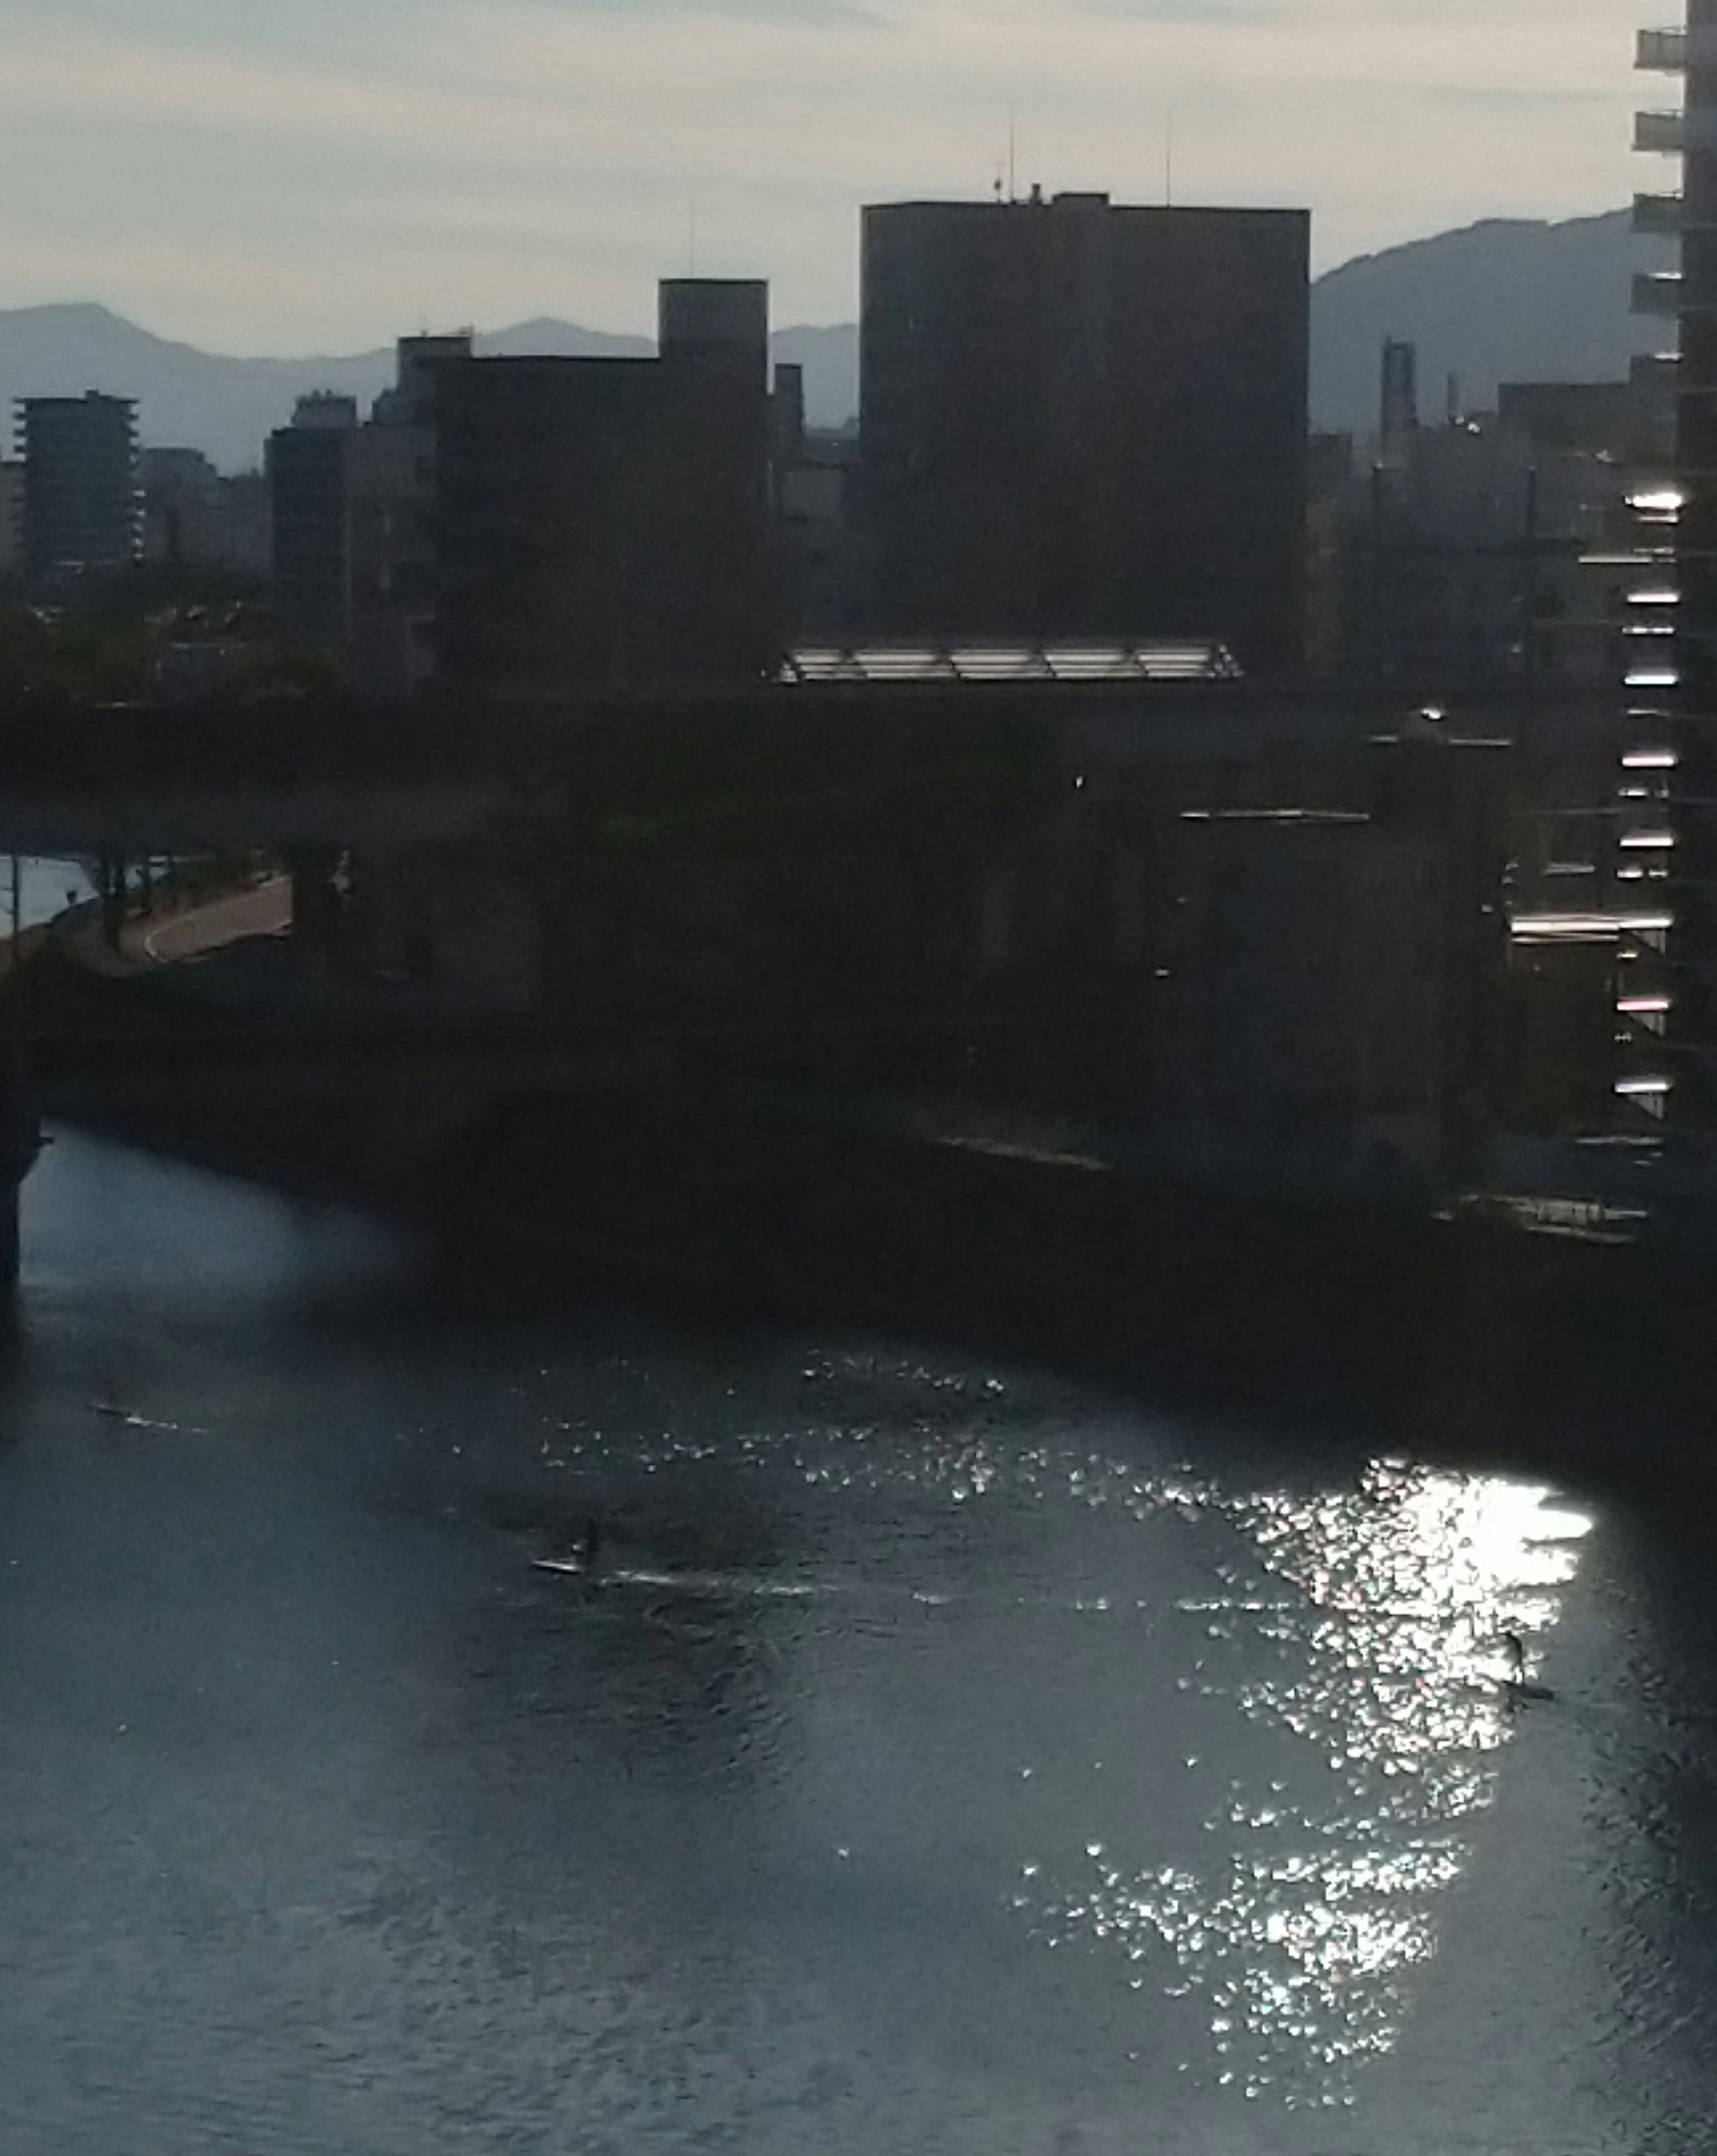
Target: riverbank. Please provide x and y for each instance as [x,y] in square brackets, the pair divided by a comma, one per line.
[727,1195]
[1473,1343]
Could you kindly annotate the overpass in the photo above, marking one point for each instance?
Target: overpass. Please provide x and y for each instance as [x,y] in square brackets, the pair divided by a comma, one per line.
[139,778]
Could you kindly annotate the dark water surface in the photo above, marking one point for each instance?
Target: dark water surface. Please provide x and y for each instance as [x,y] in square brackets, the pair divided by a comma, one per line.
[956,1759]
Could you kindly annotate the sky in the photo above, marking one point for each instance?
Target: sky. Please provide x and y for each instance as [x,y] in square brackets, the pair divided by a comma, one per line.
[296,176]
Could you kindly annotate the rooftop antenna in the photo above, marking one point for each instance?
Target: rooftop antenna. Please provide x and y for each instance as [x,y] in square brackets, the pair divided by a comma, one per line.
[1168,156]
[1013,153]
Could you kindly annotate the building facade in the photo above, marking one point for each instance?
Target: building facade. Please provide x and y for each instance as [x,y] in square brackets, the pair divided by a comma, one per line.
[185,521]
[392,529]
[11,521]
[82,505]
[1667,829]
[1080,418]
[308,474]
[819,558]
[602,525]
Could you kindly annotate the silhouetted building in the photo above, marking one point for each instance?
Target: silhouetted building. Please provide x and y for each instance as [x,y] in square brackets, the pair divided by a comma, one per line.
[326,412]
[603,525]
[411,401]
[247,519]
[392,529]
[354,524]
[1470,567]
[11,520]
[195,517]
[184,520]
[1398,412]
[1611,418]
[309,471]
[1081,419]
[82,509]
[814,473]
[1329,488]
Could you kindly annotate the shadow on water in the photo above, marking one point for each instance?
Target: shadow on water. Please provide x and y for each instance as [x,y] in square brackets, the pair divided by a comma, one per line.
[1331,1337]
[1612,1401]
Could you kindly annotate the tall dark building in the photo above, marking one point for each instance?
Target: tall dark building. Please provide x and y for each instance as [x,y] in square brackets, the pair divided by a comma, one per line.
[1081,419]
[603,525]
[83,508]
[309,471]
[1398,405]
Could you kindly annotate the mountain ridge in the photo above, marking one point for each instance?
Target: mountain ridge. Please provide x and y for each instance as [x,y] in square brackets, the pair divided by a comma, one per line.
[226,405]
[1504,299]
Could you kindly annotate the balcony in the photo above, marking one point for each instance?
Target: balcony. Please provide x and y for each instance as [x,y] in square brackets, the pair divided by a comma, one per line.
[1667,292]
[1663,132]
[1674,51]
[1658,213]
[1657,292]
[1672,134]
[1676,384]
[1662,52]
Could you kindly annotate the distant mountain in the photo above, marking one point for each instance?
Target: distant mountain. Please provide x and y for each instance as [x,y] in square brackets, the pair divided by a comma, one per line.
[228,406]
[224,407]
[1508,299]
[1511,300]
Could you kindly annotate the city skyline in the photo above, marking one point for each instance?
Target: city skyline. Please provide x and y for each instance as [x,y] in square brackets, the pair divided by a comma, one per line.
[318,176]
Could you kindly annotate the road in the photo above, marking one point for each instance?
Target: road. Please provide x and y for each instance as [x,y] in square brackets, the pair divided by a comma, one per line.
[201,929]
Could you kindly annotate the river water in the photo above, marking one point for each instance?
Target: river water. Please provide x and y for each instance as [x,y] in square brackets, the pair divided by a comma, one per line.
[43,887]
[950,1757]
[954,1757]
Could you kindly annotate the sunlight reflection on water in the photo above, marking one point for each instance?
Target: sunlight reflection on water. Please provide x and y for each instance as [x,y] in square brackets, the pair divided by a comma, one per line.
[1297,1935]
[1364,1626]
[951,1756]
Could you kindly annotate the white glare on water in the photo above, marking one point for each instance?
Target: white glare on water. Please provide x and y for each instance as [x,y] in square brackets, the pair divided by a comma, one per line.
[1295,1940]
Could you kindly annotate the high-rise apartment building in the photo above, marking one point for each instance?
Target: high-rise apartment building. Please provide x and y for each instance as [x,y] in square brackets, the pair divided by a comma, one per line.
[1084,418]
[1667,1005]
[82,506]
[353,523]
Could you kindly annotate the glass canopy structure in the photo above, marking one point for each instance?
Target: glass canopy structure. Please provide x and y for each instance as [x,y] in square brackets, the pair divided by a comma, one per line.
[991,664]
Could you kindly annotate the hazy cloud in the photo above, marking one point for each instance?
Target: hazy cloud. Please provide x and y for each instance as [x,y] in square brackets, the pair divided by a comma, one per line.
[319,172]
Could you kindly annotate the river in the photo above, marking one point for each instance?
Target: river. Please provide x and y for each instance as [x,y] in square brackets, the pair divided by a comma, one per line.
[954,1757]
[951,1756]
[43,887]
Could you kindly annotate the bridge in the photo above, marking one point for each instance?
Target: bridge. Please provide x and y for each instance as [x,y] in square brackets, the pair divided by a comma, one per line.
[141,778]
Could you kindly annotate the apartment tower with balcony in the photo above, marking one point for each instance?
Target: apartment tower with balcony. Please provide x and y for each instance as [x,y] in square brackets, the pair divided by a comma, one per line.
[83,506]
[1667,825]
